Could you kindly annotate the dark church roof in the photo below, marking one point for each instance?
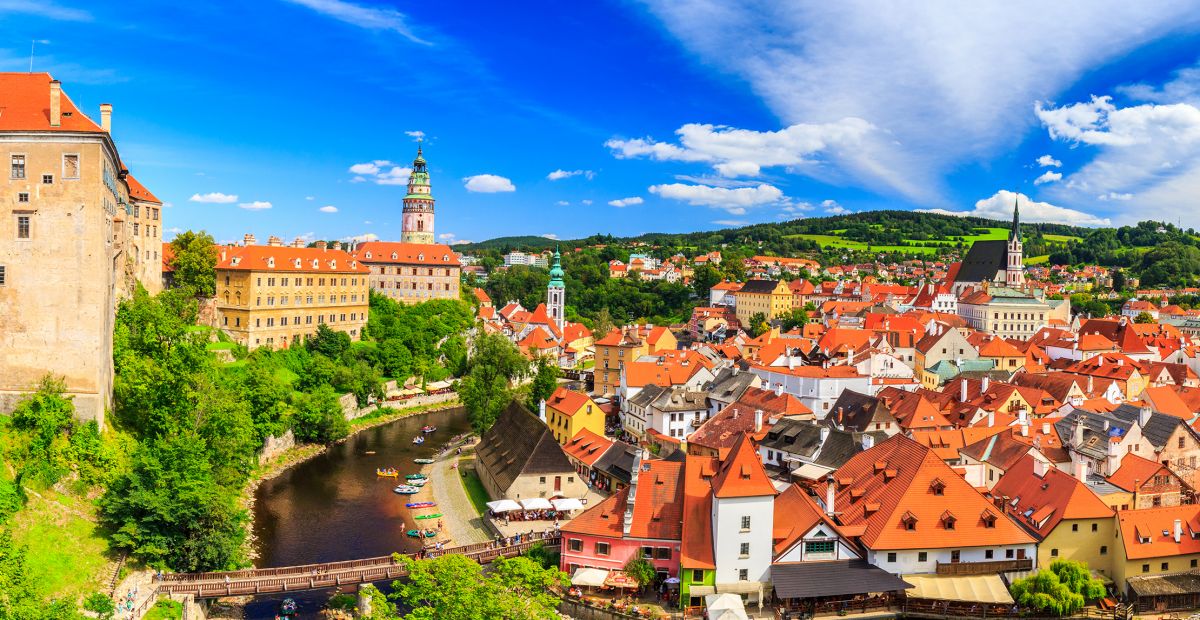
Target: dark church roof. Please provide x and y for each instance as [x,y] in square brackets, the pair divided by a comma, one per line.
[518,443]
[983,260]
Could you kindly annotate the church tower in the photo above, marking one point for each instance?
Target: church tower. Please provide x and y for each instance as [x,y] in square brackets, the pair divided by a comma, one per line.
[417,223]
[556,293]
[1015,268]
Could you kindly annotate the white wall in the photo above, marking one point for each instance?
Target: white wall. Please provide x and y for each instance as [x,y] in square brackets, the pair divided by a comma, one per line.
[908,560]
[817,393]
[728,537]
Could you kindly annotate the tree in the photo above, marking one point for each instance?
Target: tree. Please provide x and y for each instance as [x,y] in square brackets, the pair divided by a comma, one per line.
[328,342]
[542,554]
[360,379]
[704,278]
[795,318]
[45,417]
[318,417]
[195,263]
[454,587]
[1119,280]
[758,325]
[486,389]
[604,323]
[545,381]
[641,570]
[1061,589]
[100,604]
[1143,317]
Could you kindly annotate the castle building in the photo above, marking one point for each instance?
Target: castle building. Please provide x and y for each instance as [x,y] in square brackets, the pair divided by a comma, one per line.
[67,243]
[417,222]
[556,293]
[995,262]
[411,272]
[275,295]
[146,235]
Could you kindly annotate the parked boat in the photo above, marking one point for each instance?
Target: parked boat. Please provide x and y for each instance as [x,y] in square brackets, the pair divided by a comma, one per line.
[422,533]
[416,483]
[405,489]
[387,472]
[418,440]
[420,505]
[415,477]
[423,461]
[287,608]
[432,516]
[428,429]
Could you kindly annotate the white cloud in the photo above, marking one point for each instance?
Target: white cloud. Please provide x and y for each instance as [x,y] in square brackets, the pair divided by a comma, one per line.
[550,236]
[174,230]
[45,10]
[833,208]
[585,202]
[1114,196]
[944,88]
[310,198]
[415,135]
[735,201]
[451,239]
[488,184]
[626,202]
[1048,176]
[361,238]
[328,209]
[380,172]
[168,204]
[1000,207]
[1047,161]
[730,223]
[257,205]
[369,18]
[736,152]
[215,198]
[562,203]
[560,174]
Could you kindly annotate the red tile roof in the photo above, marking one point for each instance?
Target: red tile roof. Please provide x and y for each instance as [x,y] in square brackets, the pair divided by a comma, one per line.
[742,473]
[567,402]
[657,507]
[287,259]
[697,549]
[407,253]
[1052,497]
[25,106]
[1135,471]
[587,446]
[138,191]
[796,513]
[1149,524]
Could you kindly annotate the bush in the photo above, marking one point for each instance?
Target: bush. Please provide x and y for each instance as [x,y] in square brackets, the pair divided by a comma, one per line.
[318,417]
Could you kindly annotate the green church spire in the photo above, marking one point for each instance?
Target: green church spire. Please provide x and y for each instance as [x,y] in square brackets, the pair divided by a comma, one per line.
[556,271]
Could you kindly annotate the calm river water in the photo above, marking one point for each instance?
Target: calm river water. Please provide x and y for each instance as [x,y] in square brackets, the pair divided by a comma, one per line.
[333,507]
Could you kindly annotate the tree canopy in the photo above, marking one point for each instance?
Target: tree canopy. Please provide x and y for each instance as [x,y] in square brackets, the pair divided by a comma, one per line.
[195,262]
[1061,590]
[487,388]
[454,587]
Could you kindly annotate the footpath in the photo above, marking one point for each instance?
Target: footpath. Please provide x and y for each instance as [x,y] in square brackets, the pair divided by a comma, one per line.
[460,521]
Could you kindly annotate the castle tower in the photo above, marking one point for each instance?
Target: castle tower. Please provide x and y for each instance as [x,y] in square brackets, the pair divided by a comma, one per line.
[556,293]
[417,224]
[1015,268]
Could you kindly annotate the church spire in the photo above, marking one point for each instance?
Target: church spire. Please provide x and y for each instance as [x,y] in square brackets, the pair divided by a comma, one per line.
[1015,234]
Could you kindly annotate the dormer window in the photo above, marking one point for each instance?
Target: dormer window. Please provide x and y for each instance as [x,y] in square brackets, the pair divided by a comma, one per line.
[938,486]
[394,256]
[420,257]
[368,255]
[298,263]
[445,258]
[271,262]
[909,521]
[948,520]
[316,264]
[989,519]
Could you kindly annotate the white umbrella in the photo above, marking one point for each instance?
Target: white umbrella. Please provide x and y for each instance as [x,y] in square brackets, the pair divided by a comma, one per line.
[593,577]
[536,503]
[503,505]
[566,504]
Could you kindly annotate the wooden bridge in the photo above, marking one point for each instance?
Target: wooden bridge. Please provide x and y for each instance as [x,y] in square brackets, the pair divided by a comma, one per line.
[328,574]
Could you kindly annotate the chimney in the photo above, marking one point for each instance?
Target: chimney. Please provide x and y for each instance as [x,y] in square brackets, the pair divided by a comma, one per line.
[542,410]
[962,391]
[1080,469]
[758,416]
[986,383]
[1045,428]
[1178,530]
[778,389]
[1078,438]
[297,242]
[830,495]
[1039,468]
[248,239]
[1114,457]
[223,254]
[824,433]
[55,103]
[991,419]
[320,245]
[106,117]
[868,441]
[1144,415]
[337,245]
[274,241]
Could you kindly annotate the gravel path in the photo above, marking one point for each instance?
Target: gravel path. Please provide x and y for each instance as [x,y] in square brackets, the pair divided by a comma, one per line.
[460,521]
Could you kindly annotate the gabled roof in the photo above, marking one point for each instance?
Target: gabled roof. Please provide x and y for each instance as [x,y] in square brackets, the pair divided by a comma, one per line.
[759,287]
[567,402]
[407,253]
[796,514]
[697,549]
[742,473]
[1156,526]
[137,191]
[1026,494]
[25,106]
[899,477]
[1135,472]
[519,443]
[1001,450]
[1167,400]
[286,259]
[982,261]
[587,447]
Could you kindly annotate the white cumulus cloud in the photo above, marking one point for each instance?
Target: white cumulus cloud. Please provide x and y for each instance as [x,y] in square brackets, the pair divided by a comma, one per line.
[214,197]
[585,202]
[735,201]
[626,202]
[360,238]
[561,174]
[562,203]
[1047,161]
[999,206]
[380,172]
[1048,176]
[257,205]
[328,209]
[833,208]
[415,135]
[550,236]
[488,184]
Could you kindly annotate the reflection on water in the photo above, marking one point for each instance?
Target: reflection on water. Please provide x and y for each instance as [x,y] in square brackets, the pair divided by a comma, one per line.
[333,507]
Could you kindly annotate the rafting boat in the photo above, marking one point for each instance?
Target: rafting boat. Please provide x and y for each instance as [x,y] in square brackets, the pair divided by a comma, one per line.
[387,473]
[422,533]
[405,489]
[416,483]
[420,505]
[415,477]
[428,429]
[418,440]
[423,461]
[432,516]
[287,608]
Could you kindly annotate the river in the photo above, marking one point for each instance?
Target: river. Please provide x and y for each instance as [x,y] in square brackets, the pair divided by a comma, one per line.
[333,507]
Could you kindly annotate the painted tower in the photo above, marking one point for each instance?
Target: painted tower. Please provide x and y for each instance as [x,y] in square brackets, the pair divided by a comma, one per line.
[556,293]
[417,225]
[1015,269]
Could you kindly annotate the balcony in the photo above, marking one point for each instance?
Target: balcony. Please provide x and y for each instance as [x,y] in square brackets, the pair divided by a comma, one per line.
[983,568]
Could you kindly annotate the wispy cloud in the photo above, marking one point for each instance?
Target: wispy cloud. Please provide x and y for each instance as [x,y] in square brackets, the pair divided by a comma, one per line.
[735,201]
[488,184]
[215,198]
[1047,161]
[45,9]
[257,205]
[1048,176]
[561,174]
[730,223]
[626,202]
[415,135]
[451,239]
[370,18]
[380,172]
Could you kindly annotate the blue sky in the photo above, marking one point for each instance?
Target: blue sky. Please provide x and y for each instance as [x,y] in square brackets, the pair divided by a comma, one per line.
[298,117]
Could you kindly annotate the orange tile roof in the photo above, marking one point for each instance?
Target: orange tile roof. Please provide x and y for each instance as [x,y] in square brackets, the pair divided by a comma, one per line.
[587,446]
[657,507]
[900,476]
[1065,497]
[603,519]
[481,295]
[998,347]
[287,259]
[1166,399]
[742,474]
[1150,523]
[138,191]
[696,548]
[407,253]
[168,256]
[567,402]
[25,106]
[1134,472]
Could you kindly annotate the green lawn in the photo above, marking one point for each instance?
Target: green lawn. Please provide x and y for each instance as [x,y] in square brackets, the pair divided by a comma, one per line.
[837,242]
[1037,260]
[67,553]
[474,488]
[220,346]
[165,610]
[1061,238]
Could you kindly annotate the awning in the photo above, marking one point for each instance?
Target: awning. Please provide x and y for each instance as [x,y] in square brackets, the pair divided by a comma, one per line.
[438,385]
[972,589]
[833,578]
[701,590]
[809,471]
[589,577]
[618,579]
[725,607]
[566,504]
[503,505]
[740,587]
[1170,584]
[536,503]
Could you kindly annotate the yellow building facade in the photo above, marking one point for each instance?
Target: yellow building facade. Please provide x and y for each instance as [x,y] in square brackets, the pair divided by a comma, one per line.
[625,345]
[275,295]
[568,412]
[771,298]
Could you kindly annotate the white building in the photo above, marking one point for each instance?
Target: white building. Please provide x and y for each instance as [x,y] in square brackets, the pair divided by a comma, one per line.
[817,387]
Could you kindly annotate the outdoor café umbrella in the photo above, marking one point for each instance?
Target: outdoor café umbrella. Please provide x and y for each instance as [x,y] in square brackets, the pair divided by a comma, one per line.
[566,504]
[503,505]
[536,503]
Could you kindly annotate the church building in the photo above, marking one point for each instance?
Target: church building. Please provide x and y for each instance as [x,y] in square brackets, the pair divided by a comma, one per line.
[995,261]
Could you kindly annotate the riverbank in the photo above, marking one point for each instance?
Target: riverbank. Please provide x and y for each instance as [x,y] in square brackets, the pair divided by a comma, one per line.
[305,452]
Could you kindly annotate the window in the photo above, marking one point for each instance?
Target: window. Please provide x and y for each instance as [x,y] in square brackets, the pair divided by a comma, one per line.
[542,480]
[891,557]
[1166,566]
[955,555]
[744,550]
[23,226]
[1193,563]
[48,179]
[1145,568]
[1008,554]
[697,576]
[662,553]
[601,548]
[1095,527]
[923,556]
[70,166]
[648,553]
[746,524]
[1054,553]
[819,546]
[3,274]
[1074,527]
[1103,549]
[574,544]
[18,166]
[23,197]
[1181,442]
[743,574]
[988,554]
